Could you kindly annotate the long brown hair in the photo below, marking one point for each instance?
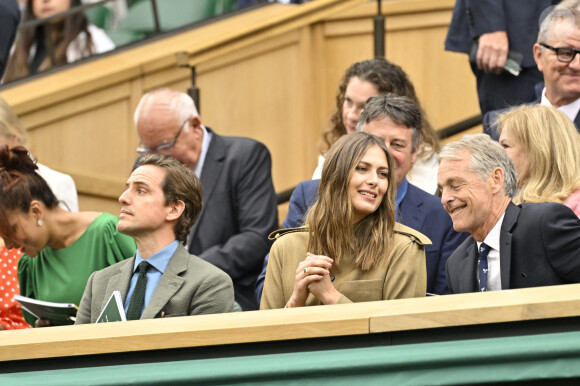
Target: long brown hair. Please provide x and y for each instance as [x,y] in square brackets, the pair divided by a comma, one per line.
[329,221]
[63,33]
[388,78]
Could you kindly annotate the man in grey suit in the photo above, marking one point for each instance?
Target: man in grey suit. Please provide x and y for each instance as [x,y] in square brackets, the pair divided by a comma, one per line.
[239,202]
[511,246]
[161,202]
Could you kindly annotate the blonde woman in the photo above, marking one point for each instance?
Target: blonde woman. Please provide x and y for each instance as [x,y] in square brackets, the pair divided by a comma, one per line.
[545,147]
[351,249]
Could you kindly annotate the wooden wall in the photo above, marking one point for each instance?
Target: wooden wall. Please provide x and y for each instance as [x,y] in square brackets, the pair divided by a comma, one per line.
[270,74]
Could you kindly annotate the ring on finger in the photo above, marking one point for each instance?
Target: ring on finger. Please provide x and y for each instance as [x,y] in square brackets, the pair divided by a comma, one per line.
[306,271]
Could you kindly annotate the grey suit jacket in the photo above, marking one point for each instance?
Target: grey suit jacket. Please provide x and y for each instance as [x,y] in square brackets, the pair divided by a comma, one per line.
[539,246]
[189,286]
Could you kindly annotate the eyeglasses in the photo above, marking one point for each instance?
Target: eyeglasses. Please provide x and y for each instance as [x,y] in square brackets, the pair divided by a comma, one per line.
[564,54]
[142,149]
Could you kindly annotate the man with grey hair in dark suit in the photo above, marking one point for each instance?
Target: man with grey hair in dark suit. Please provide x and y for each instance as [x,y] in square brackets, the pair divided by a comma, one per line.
[161,202]
[511,246]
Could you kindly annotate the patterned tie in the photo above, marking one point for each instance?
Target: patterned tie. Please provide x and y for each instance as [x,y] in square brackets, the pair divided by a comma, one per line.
[134,310]
[482,266]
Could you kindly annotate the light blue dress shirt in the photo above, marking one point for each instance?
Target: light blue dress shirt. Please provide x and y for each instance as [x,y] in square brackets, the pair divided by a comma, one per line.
[158,262]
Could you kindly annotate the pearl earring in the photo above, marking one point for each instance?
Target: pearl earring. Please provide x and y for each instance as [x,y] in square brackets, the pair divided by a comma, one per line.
[40,222]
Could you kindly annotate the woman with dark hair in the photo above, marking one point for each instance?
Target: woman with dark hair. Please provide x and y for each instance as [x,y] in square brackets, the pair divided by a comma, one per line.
[61,249]
[71,38]
[351,249]
[369,78]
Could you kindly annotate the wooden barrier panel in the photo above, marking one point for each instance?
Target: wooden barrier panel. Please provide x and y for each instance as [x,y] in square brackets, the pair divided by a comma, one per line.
[360,319]
[269,74]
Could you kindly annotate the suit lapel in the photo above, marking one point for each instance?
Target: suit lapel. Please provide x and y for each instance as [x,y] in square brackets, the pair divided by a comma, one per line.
[468,268]
[410,209]
[212,167]
[120,281]
[170,283]
[505,243]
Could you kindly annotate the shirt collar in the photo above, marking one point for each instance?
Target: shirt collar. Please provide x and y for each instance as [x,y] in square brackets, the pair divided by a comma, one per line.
[571,109]
[492,238]
[160,259]
[401,192]
[204,146]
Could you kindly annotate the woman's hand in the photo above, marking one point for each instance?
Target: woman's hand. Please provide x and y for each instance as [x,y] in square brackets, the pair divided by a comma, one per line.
[323,289]
[311,270]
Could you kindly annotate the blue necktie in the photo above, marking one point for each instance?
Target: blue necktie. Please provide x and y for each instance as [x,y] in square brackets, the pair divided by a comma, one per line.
[138,298]
[482,266]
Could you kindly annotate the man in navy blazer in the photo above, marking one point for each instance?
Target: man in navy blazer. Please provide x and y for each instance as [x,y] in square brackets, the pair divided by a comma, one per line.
[396,120]
[239,202]
[498,26]
[528,245]
[561,28]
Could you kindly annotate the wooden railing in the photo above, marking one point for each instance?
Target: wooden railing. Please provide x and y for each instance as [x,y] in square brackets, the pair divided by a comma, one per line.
[425,316]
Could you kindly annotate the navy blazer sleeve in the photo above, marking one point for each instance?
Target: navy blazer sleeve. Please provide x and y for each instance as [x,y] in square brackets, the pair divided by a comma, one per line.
[487,16]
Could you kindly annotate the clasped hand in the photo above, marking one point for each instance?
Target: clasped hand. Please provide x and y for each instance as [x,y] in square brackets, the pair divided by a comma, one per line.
[313,277]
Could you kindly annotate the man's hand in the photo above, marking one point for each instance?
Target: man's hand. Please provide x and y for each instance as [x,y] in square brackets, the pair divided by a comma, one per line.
[492,52]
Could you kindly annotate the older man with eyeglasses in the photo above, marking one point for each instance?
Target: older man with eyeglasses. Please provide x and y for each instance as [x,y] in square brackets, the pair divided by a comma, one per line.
[239,202]
[556,57]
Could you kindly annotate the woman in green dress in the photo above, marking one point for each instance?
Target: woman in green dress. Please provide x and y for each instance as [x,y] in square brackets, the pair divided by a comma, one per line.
[61,249]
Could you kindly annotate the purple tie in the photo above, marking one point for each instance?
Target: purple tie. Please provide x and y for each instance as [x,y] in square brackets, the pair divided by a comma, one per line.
[482,266]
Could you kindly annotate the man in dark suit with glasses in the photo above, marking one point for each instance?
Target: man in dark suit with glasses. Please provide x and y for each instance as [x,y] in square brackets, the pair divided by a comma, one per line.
[239,202]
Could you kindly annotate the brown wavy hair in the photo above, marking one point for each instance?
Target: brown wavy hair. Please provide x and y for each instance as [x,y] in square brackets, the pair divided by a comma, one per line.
[388,78]
[329,221]
[64,32]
